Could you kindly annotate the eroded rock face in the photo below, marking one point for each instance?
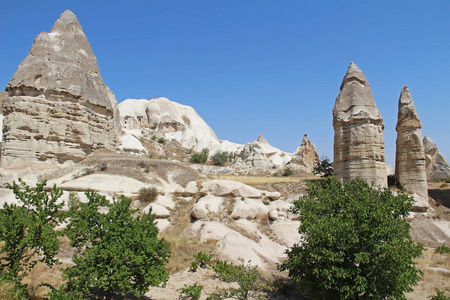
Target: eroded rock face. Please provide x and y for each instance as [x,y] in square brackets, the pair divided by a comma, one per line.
[58,108]
[306,154]
[410,168]
[436,164]
[358,132]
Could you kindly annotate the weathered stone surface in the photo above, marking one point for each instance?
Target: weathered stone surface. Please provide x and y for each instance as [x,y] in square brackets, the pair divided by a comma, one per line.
[229,188]
[58,108]
[358,132]
[436,164]
[306,154]
[3,96]
[252,155]
[410,168]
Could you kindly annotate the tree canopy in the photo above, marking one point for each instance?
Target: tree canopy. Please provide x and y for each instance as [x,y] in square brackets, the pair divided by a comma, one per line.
[356,242]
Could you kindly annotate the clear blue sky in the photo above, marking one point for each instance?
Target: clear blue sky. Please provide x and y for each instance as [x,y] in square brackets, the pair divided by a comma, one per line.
[258,67]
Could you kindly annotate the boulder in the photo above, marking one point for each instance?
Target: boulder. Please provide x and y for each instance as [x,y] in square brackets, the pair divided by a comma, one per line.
[248,209]
[306,154]
[253,155]
[157,209]
[410,169]
[206,205]
[436,164]
[229,188]
[58,108]
[358,132]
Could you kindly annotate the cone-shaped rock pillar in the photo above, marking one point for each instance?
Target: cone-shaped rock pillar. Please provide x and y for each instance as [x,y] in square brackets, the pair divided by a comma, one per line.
[58,108]
[358,132]
[306,154]
[410,169]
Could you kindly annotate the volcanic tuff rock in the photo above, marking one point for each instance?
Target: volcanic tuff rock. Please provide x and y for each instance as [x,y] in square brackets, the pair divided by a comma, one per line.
[58,108]
[410,168]
[358,132]
[436,164]
[306,154]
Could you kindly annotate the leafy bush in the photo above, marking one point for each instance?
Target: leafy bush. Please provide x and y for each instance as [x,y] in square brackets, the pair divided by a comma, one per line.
[205,151]
[356,242]
[444,185]
[190,292]
[198,158]
[220,158]
[287,172]
[193,266]
[442,250]
[440,295]
[447,180]
[161,140]
[27,232]
[148,194]
[116,253]
[324,168]
[246,276]
[203,259]
[154,125]
[436,180]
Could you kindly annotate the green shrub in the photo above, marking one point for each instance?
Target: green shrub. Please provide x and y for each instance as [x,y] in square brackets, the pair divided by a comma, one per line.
[355,242]
[198,158]
[161,140]
[154,125]
[442,250]
[447,180]
[203,259]
[27,232]
[147,194]
[205,151]
[436,180]
[190,292]
[246,276]
[219,158]
[287,172]
[153,137]
[193,266]
[440,295]
[324,168]
[116,253]
[443,186]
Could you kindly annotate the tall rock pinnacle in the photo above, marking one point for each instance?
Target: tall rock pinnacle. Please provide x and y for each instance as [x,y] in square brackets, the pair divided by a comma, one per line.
[358,132]
[306,154]
[436,164]
[58,108]
[410,168]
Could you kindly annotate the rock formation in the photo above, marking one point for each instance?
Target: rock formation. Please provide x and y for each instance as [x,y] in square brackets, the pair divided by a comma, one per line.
[436,164]
[171,120]
[358,132]
[306,154]
[410,156]
[58,108]
[267,148]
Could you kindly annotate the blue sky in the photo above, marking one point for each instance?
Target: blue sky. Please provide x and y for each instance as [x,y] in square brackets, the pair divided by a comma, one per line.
[258,67]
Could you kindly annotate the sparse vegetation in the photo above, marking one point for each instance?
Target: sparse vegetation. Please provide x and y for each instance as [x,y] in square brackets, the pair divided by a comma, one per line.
[443,186]
[154,126]
[198,158]
[220,158]
[190,292]
[287,172]
[162,140]
[440,295]
[324,168]
[148,194]
[245,275]
[356,242]
[442,250]
[447,180]
[27,232]
[203,259]
[436,180]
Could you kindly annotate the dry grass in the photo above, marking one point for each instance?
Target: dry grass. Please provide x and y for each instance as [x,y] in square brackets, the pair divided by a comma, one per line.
[434,267]
[252,180]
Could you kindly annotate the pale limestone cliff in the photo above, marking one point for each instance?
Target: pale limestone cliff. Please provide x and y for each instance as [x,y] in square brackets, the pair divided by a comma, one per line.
[58,108]
[436,164]
[410,168]
[358,132]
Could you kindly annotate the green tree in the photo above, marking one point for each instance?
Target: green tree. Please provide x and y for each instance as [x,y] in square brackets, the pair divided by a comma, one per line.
[117,254]
[356,242]
[27,231]
[198,158]
[324,168]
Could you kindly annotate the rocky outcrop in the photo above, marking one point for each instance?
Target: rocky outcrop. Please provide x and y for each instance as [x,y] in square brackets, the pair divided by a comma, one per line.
[436,164]
[358,132]
[58,108]
[306,154]
[410,168]
[171,120]
[252,155]
[3,96]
